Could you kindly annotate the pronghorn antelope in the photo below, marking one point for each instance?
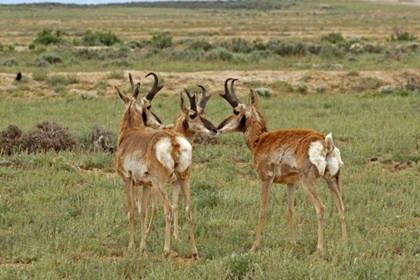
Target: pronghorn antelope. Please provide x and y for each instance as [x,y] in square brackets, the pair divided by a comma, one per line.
[286,157]
[189,122]
[148,158]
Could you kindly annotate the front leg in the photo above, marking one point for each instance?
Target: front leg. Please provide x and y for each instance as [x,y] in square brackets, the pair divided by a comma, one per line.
[265,196]
[291,188]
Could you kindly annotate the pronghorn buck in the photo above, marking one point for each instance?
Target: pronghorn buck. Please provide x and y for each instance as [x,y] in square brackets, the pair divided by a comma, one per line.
[189,122]
[148,158]
[286,157]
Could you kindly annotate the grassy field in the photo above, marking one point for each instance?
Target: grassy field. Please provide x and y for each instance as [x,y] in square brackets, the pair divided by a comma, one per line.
[64,215]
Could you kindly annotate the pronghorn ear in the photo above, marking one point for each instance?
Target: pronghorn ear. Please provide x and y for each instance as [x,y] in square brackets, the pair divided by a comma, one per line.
[253,98]
[136,91]
[125,99]
[330,143]
[184,108]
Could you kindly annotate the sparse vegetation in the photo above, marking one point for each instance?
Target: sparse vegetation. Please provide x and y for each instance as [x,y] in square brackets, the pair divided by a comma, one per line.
[63,212]
[10,62]
[98,38]
[48,36]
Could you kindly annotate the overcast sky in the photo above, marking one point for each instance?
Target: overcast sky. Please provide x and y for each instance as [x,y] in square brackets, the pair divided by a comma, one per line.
[88,2]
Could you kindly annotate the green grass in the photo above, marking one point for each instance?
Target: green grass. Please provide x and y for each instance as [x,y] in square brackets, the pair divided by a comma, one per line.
[62,219]
[64,215]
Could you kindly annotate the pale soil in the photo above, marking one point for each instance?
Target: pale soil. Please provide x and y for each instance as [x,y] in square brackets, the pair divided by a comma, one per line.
[337,82]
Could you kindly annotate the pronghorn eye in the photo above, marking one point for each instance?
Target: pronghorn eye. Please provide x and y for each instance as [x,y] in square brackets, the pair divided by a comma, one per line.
[193,116]
[235,112]
[148,107]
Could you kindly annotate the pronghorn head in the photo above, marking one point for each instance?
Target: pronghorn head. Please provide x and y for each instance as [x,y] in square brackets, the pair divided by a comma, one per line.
[241,112]
[195,116]
[141,106]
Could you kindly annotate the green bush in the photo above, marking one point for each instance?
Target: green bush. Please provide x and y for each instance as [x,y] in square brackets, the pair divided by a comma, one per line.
[100,54]
[330,51]
[47,36]
[98,38]
[240,45]
[10,62]
[257,55]
[161,40]
[220,53]
[301,87]
[135,45]
[201,45]
[286,48]
[333,38]
[48,57]
[401,35]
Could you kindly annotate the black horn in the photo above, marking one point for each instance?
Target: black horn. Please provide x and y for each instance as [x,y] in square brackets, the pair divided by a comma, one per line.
[204,98]
[232,99]
[155,89]
[192,100]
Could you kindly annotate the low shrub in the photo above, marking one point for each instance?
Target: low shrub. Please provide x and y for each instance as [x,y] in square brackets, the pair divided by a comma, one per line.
[401,35]
[333,38]
[264,92]
[97,38]
[47,136]
[48,36]
[201,45]
[135,45]
[161,40]
[49,58]
[10,62]
[220,53]
[320,89]
[301,87]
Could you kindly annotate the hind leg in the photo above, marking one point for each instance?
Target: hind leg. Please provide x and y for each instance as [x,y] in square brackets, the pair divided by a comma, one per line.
[159,185]
[184,183]
[334,186]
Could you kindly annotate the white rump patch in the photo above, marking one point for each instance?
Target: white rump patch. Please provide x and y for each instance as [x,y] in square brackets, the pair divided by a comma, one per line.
[136,164]
[334,161]
[185,155]
[317,155]
[163,151]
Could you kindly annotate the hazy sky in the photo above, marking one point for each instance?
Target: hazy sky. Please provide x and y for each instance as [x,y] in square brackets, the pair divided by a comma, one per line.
[74,1]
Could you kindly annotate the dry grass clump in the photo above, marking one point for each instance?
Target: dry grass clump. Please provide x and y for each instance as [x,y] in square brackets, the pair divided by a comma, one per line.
[102,140]
[47,136]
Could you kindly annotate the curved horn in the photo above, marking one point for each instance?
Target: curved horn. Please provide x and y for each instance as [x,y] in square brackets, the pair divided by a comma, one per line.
[204,98]
[155,89]
[192,100]
[233,100]
[232,89]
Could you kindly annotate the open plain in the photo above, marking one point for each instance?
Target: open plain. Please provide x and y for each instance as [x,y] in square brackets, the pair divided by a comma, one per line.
[347,67]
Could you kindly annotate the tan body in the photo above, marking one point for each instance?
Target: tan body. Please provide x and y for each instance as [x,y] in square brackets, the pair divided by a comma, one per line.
[148,158]
[286,157]
[188,123]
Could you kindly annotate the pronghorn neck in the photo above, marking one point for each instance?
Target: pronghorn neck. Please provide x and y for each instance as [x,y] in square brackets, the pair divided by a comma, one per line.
[131,119]
[181,126]
[255,125]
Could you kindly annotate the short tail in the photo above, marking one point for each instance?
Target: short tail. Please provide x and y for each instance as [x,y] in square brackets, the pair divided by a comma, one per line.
[175,150]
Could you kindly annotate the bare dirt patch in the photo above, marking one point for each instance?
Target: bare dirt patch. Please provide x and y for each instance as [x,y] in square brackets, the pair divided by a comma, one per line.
[337,82]
[392,166]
